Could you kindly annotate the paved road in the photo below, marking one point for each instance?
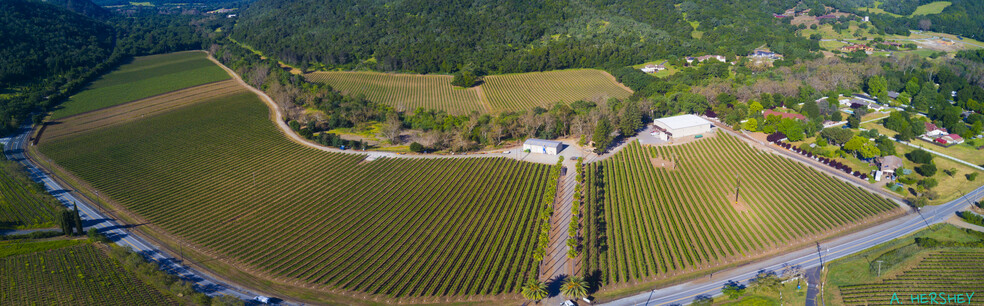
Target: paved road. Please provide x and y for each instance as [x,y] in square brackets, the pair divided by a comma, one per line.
[14,150]
[807,257]
[812,286]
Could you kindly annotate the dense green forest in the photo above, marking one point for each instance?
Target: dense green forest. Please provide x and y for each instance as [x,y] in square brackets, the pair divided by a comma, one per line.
[41,40]
[509,36]
[51,50]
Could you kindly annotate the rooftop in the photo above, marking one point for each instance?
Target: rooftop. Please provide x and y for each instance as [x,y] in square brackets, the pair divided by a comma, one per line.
[682,121]
[542,142]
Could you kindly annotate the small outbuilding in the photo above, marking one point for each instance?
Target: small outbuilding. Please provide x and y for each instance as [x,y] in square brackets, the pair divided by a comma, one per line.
[682,126]
[543,146]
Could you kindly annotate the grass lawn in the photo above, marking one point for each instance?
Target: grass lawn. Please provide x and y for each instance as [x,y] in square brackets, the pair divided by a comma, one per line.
[144,77]
[950,187]
[966,151]
[925,9]
[831,45]
[931,8]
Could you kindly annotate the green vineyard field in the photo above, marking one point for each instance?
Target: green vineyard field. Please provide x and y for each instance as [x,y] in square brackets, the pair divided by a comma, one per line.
[221,175]
[75,275]
[405,92]
[23,203]
[949,271]
[144,77]
[521,91]
[512,92]
[645,219]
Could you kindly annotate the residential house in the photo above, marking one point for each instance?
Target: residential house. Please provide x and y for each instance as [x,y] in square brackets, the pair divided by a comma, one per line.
[857,47]
[653,68]
[888,164]
[765,54]
[701,59]
[952,139]
[932,130]
[893,94]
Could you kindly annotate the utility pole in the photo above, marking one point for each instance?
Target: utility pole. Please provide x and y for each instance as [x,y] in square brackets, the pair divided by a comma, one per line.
[737,186]
[819,253]
[650,297]
[879,267]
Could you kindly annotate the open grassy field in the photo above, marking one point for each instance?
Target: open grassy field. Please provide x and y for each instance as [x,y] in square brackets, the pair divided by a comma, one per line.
[23,203]
[658,221]
[71,274]
[521,91]
[405,92]
[909,268]
[220,175]
[144,77]
[931,8]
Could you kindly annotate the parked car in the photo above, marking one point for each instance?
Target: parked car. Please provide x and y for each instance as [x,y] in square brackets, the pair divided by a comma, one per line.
[568,303]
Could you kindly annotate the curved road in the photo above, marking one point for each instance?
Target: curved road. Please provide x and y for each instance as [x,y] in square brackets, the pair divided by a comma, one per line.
[808,257]
[14,150]
[679,294]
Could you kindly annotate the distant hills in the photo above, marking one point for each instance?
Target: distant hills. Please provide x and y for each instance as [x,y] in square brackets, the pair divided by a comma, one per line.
[38,39]
[428,36]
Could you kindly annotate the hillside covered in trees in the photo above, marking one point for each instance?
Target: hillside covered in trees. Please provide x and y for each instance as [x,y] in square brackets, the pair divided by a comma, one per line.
[509,36]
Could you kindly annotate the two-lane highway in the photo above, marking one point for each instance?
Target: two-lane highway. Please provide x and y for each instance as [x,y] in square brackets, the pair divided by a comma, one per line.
[807,257]
[14,147]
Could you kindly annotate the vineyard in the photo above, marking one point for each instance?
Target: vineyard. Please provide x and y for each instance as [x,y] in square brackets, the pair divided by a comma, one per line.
[220,175]
[948,271]
[138,109]
[76,275]
[144,77]
[23,203]
[514,92]
[662,211]
[405,92]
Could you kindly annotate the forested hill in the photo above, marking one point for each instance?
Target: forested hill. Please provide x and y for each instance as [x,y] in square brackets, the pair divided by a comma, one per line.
[84,7]
[428,36]
[38,40]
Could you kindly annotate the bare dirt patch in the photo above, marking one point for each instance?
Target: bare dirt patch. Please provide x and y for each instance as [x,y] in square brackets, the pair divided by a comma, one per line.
[137,109]
[660,162]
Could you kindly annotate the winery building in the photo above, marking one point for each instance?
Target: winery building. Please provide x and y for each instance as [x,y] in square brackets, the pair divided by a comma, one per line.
[681,126]
[543,146]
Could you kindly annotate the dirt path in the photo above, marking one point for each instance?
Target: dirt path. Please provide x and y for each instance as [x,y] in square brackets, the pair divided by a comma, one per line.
[556,266]
[482,99]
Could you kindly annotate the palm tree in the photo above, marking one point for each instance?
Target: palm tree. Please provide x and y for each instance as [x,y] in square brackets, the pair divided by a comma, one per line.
[534,290]
[574,287]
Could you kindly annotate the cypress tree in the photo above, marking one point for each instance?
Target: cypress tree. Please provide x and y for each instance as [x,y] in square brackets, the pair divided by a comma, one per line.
[64,219]
[78,222]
